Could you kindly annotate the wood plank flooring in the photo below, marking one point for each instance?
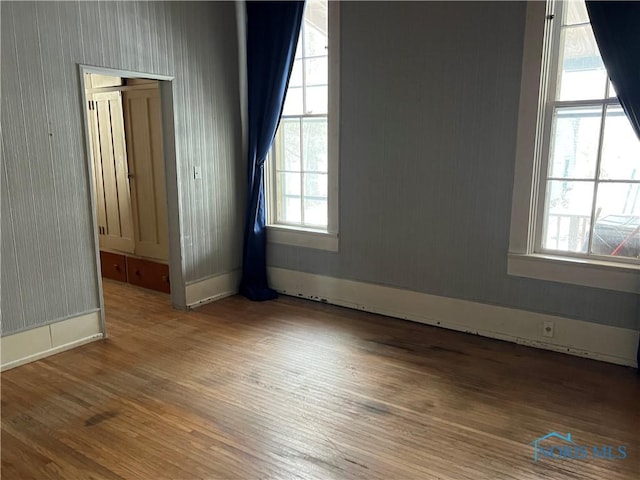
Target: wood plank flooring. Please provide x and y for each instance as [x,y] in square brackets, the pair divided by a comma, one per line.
[292,389]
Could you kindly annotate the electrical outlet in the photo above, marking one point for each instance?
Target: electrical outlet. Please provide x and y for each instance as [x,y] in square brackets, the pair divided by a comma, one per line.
[547,329]
[197,172]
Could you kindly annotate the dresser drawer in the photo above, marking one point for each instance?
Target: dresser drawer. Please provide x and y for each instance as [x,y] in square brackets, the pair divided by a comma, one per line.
[113,266]
[148,274]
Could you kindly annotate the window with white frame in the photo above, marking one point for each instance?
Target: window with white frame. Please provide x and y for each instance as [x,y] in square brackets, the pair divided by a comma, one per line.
[583,204]
[590,188]
[301,178]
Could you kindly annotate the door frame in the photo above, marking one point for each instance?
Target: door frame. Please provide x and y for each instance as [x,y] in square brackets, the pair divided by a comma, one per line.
[176,277]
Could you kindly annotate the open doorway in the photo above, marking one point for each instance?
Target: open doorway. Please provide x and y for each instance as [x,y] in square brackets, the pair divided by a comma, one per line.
[125,135]
[132,177]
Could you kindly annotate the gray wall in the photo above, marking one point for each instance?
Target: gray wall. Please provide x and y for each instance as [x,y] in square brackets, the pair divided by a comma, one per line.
[429,105]
[48,265]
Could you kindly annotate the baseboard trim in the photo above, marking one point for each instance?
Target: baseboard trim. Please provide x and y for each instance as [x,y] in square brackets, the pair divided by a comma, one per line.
[212,288]
[575,337]
[40,342]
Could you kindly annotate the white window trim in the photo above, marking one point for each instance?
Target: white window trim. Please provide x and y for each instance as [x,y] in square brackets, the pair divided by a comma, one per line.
[302,237]
[523,261]
[307,237]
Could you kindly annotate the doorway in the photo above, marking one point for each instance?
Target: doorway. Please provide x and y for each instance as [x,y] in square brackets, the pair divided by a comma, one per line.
[131,152]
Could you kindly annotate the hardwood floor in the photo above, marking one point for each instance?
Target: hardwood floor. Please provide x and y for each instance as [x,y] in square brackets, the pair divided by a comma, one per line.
[292,389]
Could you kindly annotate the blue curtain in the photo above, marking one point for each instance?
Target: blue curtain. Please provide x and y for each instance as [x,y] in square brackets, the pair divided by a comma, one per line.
[272,36]
[616,26]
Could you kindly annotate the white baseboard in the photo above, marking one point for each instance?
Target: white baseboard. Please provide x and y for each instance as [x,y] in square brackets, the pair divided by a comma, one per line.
[575,337]
[212,288]
[40,342]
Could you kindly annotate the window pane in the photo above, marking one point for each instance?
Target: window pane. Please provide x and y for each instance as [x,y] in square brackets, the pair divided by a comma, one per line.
[296,74]
[298,49]
[316,71]
[289,184]
[315,212]
[574,145]
[612,90]
[315,144]
[567,216]
[620,148]
[315,185]
[616,230]
[575,12]
[290,137]
[315,28]
[317,100]
[291,211]
[293,102]
[581,73]
[315,40]
[289,191]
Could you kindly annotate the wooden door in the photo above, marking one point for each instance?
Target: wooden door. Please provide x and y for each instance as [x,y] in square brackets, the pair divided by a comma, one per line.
[110,171]
[143,120]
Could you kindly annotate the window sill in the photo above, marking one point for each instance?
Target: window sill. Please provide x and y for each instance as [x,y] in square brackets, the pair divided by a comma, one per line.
[576,271]
[301,237]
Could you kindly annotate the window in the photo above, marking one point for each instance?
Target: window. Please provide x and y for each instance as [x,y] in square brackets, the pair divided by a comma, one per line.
[302,166]
[581,157]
